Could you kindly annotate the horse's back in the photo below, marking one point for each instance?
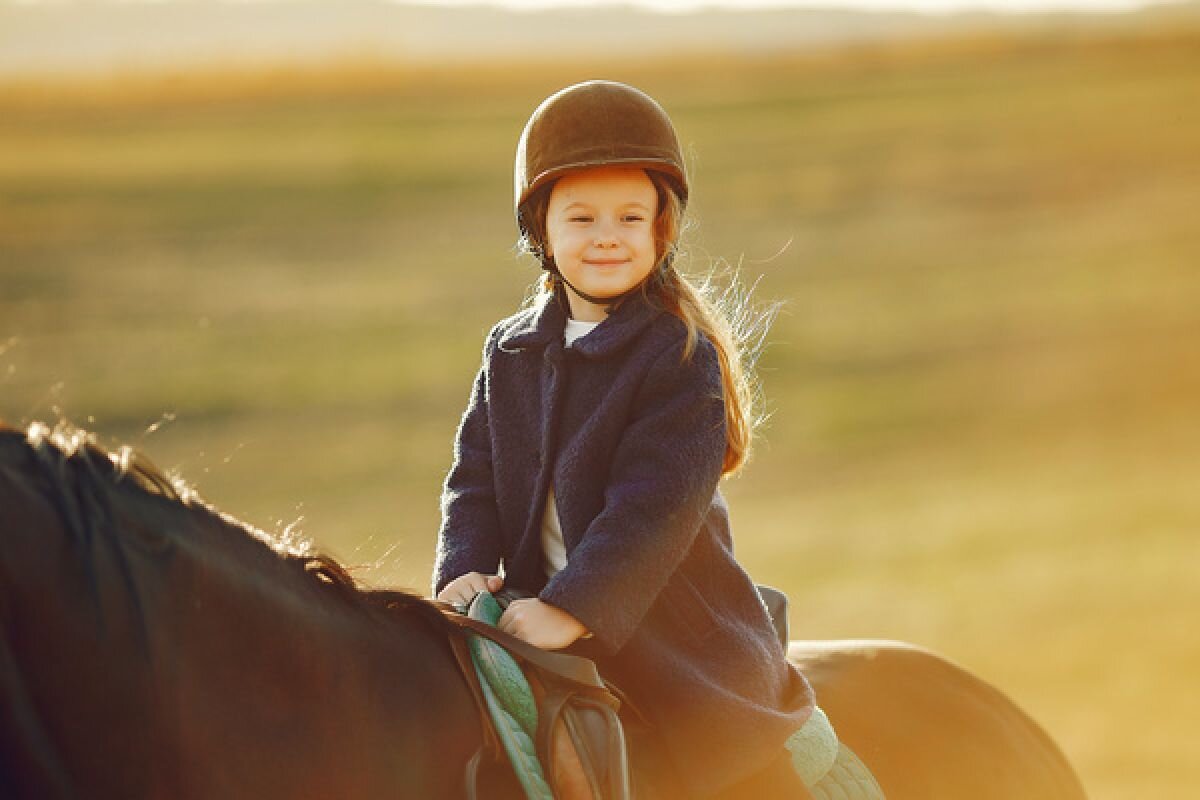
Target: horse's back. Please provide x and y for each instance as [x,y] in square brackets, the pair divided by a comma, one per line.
[929,729]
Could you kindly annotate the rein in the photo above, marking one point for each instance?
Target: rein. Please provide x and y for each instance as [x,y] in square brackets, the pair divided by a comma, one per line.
[491,739]
[564,665]
[579,673]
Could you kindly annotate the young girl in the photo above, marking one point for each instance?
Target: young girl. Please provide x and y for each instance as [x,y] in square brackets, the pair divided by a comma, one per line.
[588,459]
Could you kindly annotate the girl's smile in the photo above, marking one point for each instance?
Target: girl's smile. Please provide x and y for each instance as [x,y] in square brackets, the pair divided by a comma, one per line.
[600,232]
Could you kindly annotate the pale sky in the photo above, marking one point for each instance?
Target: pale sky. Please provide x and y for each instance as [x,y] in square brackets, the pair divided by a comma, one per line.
[929,6]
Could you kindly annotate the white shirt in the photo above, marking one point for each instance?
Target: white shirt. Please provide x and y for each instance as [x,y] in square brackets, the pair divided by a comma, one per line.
[553,549]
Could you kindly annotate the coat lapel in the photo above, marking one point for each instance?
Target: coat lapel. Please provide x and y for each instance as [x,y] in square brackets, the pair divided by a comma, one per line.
[620,329]
[538,329]
[549,317]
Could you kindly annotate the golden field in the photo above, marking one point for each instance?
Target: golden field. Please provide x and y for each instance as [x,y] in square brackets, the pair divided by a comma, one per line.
[983,386]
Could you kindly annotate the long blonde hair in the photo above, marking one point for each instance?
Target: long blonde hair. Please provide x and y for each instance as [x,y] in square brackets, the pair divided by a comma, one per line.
[724,316]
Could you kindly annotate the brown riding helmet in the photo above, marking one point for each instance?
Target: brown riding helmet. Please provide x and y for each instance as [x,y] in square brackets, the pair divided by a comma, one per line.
[592,124]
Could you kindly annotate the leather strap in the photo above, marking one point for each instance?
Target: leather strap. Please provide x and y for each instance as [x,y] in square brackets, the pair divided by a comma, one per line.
[609,303]
[579,671]
[491,740]
[472,775]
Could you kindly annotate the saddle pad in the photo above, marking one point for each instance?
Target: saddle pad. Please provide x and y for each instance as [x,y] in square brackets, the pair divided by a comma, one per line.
[814,747]
[509,699]
[828,768]
[847,779]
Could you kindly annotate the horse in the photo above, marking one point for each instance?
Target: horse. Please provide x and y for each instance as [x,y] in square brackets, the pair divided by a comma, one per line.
[928,728]
[155,646]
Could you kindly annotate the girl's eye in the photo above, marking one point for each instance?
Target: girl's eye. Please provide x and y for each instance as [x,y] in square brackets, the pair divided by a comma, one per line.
[633,218]
[580,219]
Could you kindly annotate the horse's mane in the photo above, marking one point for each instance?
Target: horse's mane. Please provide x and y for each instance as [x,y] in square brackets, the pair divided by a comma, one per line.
[65,451]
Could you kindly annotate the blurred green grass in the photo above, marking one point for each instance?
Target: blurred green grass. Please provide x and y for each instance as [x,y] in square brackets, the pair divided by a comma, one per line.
[983,386]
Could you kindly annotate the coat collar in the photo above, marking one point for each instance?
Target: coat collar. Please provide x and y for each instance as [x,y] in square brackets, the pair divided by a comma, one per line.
[544,326]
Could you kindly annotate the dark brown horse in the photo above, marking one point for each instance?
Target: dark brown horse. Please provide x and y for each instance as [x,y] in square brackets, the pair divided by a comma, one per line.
[155,647]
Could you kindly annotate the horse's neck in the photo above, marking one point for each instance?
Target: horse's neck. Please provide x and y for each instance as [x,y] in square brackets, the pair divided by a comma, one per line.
[163,651]
[382,664]
[371,689]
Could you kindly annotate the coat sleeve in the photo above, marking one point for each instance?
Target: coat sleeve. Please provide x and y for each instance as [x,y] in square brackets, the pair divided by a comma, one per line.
[662,481]
[469,537]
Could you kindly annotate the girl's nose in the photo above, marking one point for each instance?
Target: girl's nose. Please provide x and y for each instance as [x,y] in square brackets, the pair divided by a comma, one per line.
[605,238]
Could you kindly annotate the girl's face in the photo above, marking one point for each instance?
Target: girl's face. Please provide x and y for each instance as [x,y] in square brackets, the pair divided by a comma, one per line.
[600,231]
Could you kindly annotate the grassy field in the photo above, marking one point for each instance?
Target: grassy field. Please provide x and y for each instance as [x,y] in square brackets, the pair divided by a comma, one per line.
[984,383]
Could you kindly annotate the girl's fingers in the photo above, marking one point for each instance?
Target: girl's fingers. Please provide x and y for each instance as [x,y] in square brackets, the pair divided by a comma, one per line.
[458,591]
[462,590]
[483,583]
[453,598]
[469,584]
[507,620]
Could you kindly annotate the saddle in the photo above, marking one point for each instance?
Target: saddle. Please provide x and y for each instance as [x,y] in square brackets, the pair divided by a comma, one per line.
[550,715]
[554,719]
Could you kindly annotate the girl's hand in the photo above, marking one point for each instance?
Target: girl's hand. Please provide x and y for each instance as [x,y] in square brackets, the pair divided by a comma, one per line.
[540,624]
[462,590]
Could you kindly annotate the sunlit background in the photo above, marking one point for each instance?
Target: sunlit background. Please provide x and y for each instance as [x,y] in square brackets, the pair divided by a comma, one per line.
[263,241]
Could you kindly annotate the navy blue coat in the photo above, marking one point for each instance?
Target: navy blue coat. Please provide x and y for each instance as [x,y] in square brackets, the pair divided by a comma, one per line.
[633,439]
